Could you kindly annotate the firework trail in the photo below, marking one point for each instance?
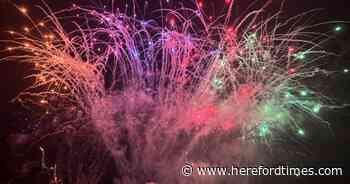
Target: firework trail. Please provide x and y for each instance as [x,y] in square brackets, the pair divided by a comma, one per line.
[187,90]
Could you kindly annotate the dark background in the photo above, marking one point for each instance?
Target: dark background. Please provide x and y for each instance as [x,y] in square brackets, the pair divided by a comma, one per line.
[325,149]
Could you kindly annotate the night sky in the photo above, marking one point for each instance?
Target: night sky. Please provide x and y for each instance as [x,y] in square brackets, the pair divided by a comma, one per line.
[327,149]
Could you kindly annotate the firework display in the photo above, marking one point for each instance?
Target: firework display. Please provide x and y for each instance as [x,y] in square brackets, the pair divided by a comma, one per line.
[183,87]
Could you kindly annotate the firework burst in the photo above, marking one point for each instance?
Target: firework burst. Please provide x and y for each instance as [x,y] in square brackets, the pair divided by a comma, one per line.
[168,93]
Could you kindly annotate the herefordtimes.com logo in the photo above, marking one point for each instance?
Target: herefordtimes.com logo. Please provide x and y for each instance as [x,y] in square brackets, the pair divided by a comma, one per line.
[188,169]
